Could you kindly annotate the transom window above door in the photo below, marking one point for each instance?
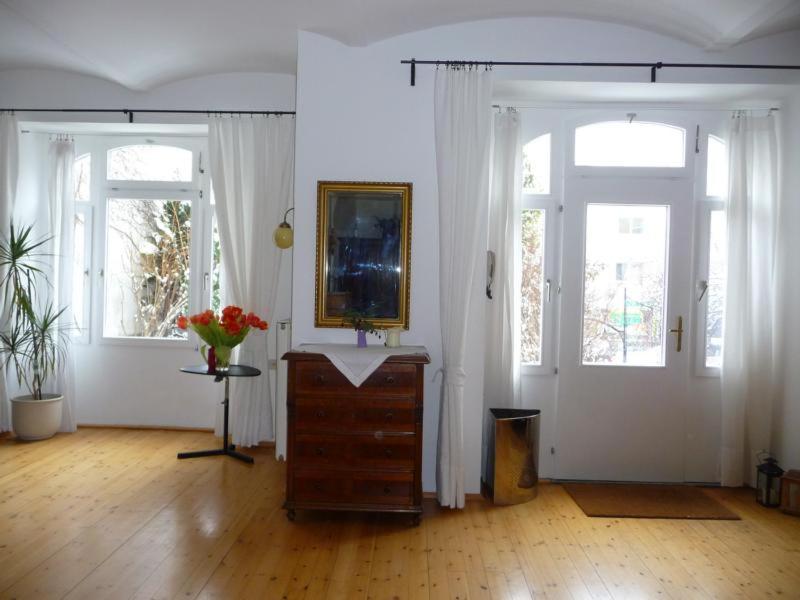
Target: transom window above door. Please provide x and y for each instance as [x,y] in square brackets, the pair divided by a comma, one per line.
[630,144]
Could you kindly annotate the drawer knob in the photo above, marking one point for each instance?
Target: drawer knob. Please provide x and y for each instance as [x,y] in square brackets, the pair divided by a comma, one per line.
[320,451]
[389,416]
[319,378]
[387,452]
[387,490]
[320,414]
[318,487]
[389,379]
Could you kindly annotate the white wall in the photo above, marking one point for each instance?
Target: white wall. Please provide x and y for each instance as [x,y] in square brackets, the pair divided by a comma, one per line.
[358,119]
[119,384]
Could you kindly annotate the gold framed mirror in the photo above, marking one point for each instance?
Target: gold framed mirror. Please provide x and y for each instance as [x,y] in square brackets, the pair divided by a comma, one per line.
[363,253]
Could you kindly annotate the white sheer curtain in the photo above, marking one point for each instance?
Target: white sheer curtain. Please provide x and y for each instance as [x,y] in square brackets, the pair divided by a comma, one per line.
[747,364]
[463,133]
[9,170]
[501,374]
[252,169]
[62,227]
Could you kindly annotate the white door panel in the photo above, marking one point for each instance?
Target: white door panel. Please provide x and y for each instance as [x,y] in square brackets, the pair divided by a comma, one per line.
[624,422]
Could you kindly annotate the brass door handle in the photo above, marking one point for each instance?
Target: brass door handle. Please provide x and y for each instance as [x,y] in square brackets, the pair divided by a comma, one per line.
[679,332]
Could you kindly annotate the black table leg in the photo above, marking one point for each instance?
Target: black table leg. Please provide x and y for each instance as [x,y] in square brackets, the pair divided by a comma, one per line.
[227,449]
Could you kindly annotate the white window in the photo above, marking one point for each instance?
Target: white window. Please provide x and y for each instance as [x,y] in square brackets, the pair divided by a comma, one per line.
[144,162]
[538,248]
[139,202]
[533,283]
[148,250]
[712,260]
[717,168]
[82,256]
[630,144]
[536,165]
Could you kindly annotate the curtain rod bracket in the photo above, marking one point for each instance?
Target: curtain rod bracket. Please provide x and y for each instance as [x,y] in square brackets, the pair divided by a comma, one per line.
[413,72]
[658,65]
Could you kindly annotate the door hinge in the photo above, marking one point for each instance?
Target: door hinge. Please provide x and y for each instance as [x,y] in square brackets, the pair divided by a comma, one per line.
[555,370]
[697,140]
[560,208]
[552,449]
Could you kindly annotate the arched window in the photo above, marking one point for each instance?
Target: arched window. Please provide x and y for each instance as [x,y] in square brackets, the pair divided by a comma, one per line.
[536,166]
[149,162]
[630,144]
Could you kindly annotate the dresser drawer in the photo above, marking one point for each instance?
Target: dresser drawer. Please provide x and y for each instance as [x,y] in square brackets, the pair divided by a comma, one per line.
[383,452]
[321,414]
[383,488]
[354,414]
[313,377]
[398,416]
[348,452]
[319,486]
[391,379]
[311,450]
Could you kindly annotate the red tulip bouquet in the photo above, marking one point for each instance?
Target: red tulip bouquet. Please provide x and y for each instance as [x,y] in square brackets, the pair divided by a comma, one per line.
[222,334]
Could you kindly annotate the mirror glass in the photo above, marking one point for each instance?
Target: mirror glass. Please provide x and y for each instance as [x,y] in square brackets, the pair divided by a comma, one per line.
[362,251]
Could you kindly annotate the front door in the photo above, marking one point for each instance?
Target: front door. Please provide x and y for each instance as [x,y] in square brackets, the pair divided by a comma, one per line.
[626,274]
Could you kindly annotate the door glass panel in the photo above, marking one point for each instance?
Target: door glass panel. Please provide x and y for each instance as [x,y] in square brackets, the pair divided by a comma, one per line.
[533,230]
[624,285]
[716,289]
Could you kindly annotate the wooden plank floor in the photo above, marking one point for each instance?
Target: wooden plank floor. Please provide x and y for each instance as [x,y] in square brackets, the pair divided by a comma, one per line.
[112,514]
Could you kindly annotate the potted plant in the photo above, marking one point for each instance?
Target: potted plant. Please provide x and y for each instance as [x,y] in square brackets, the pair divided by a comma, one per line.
[361,323]
[32,340]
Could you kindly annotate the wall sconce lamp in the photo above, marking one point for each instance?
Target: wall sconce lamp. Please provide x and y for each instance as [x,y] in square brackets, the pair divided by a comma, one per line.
[284,236]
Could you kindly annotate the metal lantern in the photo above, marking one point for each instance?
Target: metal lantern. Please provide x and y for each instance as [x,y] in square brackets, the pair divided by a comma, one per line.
[768,483]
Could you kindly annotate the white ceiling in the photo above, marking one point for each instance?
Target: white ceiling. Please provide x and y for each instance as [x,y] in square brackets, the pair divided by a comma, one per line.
[145,43]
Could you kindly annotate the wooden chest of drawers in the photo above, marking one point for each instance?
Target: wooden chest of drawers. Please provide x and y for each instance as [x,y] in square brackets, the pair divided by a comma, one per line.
[354,448]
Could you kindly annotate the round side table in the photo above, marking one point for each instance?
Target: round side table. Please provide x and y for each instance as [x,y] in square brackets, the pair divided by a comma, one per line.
[232,371]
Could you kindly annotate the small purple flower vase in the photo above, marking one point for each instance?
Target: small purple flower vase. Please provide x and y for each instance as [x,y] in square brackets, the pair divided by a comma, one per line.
[362,338]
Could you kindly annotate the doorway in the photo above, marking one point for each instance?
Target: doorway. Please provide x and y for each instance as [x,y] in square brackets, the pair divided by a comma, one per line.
[626,299]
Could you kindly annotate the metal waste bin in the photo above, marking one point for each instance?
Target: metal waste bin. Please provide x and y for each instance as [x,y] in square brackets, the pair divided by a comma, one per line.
[511,473]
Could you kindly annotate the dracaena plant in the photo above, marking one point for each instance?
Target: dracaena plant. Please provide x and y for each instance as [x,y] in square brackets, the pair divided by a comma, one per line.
[33,342]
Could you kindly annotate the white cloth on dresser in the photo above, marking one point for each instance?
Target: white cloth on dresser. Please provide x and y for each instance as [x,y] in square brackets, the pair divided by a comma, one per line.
[358,363]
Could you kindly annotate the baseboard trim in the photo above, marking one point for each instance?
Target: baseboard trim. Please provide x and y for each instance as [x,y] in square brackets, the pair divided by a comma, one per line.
[432,496]
[146,427]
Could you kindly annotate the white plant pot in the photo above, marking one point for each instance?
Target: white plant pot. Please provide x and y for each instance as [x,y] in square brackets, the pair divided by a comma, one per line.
[36,419]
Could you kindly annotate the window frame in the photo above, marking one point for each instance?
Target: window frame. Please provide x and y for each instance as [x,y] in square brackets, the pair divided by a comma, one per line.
[705,206]
[551,204]
[84,335]
[102,189]
[551,208]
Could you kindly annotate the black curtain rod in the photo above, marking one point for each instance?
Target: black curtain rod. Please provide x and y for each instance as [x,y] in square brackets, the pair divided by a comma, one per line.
[131,111]
[653,66]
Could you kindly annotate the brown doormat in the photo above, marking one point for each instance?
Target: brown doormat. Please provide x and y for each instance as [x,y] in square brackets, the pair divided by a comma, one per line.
[647,501]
